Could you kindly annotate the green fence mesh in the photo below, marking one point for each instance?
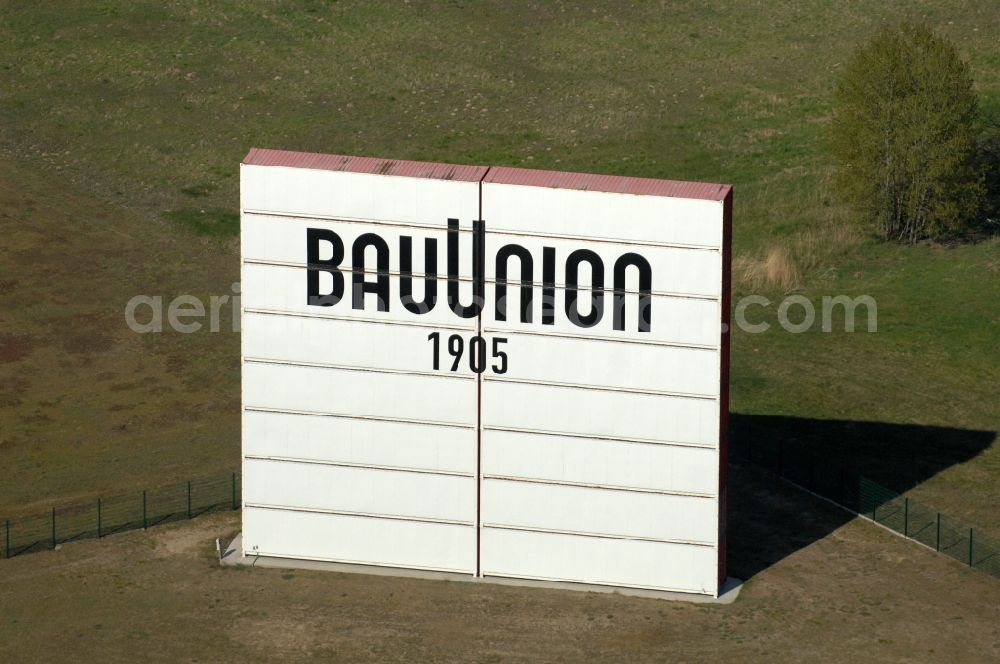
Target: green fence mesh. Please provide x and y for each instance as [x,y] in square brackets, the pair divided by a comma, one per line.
[782,454]
[113,514]
[922,524]
[772,450]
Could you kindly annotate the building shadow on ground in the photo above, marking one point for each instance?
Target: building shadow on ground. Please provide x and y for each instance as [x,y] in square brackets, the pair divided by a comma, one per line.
[769,519]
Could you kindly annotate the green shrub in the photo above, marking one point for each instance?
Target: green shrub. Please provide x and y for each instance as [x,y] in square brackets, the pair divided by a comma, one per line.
[903,134]
[988,163]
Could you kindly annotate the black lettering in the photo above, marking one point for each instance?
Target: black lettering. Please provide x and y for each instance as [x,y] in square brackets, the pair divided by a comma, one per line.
[435,338]
[477,354]
[406,275]
[596,291]
[315,265]
[380,287]
[645,290]
[500,355]
[548,285]
[472,310]
[527,275]
[455,346]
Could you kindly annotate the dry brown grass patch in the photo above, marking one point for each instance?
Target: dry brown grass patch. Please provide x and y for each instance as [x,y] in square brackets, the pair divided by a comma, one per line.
[776,269]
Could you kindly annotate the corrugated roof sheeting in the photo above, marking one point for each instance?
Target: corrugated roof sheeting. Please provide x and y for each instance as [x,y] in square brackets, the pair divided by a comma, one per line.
[618,184]
[372,165]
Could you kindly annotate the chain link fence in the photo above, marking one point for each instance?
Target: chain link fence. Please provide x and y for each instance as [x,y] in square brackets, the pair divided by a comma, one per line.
[824,477]
[114,514]
[839,483]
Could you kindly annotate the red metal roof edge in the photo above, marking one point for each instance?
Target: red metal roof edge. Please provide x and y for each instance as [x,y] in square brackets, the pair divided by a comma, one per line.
[615,184]
[372,165]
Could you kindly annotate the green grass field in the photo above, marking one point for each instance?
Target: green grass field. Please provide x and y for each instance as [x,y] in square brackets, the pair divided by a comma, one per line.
[121,129]
[122,126]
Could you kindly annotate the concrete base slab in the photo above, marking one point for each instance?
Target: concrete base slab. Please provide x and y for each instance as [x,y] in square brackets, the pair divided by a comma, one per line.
[233,556]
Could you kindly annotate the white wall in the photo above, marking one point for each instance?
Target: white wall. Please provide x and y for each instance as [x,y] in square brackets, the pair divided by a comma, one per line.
[593,458]
[353,449]
[601,446]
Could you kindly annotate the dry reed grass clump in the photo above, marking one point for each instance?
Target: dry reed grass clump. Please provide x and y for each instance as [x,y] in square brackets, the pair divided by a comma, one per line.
[776,269]
[784,263]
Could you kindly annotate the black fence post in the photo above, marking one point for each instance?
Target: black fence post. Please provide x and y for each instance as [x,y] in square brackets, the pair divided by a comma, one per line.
[842,487]
[234,491]
[98,517]
[189,499]
[874,506]
[144,518]
[906,517]
[53,527]
[937,547]
[861,495]
[970,547]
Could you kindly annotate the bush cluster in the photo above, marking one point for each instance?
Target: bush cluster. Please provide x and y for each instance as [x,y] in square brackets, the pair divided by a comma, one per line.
[904,134]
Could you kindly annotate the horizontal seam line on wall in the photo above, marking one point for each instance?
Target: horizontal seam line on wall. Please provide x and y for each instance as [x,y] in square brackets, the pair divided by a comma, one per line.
[375,418]
[488,328]
[341,367]
[494,231]
[602,487]
[357,319]
[610,536]
[604,240]
[512,284]
[614,439]
[363,466]
[571,335]
[358,220]
[490,378]
[360,515]
[598,388]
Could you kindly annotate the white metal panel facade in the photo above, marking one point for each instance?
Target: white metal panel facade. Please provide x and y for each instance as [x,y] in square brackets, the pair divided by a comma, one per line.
[354,451]
[570,428]
[619,389]
[596,215]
